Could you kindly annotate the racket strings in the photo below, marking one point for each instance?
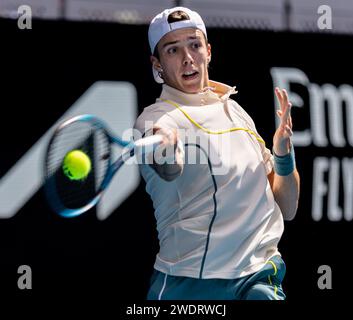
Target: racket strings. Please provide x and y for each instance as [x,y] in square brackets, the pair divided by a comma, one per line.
[94,143]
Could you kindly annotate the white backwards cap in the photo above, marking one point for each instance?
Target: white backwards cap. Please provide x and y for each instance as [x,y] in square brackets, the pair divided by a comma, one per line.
[160,26]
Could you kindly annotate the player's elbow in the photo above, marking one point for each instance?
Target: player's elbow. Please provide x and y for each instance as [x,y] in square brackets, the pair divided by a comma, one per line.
[290,217]
[171,177]
[290,213]
[169,172]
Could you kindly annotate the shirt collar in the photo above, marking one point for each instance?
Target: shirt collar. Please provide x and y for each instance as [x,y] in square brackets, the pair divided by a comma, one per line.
[215,92]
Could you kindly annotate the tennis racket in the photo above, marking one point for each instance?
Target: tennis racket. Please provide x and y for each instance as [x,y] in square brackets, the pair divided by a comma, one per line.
[87,133]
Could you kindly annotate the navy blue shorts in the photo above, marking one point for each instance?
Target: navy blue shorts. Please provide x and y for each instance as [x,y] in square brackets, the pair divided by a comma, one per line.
[265,284]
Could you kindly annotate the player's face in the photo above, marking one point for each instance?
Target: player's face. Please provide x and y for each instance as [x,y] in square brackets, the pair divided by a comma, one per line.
[184,56]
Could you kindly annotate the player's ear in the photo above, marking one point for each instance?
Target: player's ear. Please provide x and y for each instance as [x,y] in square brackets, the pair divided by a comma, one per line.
[156,63]
[208,53]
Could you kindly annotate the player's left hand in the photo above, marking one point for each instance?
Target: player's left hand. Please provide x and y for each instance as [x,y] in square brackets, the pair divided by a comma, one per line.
[281,139]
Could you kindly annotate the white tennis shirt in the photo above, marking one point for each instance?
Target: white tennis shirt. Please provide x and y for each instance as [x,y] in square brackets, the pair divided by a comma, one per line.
[218,219]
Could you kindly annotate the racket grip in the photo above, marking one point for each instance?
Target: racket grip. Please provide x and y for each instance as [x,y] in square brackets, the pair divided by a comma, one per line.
[148,144]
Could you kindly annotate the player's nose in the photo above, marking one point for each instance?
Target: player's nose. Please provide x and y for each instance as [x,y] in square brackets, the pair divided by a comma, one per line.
[187,57]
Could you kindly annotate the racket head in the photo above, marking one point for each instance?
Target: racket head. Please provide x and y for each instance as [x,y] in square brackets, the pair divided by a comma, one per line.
[70,198]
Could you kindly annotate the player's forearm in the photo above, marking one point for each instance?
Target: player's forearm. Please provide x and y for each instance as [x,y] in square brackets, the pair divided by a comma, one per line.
[286,192]
[168,158]
[170,171]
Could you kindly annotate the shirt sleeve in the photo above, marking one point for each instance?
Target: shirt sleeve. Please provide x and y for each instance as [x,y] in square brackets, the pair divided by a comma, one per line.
[154,116]
[267,156]
[151,117]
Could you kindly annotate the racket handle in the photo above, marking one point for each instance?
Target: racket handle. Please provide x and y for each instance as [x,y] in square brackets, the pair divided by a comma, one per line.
[148,144]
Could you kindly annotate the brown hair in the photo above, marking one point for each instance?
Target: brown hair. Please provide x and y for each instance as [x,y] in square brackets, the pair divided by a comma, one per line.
[178,16]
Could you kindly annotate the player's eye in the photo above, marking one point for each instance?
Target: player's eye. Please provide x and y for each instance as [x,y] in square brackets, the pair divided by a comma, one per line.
[196,45]
[171,50]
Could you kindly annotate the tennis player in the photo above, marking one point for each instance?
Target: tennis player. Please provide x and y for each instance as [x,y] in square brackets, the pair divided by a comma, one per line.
[219,221]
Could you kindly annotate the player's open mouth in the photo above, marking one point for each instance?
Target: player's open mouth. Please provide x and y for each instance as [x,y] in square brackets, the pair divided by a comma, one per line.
[190,75]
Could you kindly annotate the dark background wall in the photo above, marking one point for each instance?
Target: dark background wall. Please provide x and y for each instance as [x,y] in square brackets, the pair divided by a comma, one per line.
[44,70]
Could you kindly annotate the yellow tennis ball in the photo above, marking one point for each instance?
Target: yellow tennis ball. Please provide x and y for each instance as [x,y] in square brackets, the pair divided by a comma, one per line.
[76,165]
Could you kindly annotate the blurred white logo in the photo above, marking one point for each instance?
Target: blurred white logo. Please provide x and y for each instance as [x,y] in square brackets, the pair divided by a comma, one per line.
[330,109]
[113,102]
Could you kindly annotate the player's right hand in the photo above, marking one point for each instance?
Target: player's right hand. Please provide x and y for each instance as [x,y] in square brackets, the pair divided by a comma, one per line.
[170,136]
[168,158]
